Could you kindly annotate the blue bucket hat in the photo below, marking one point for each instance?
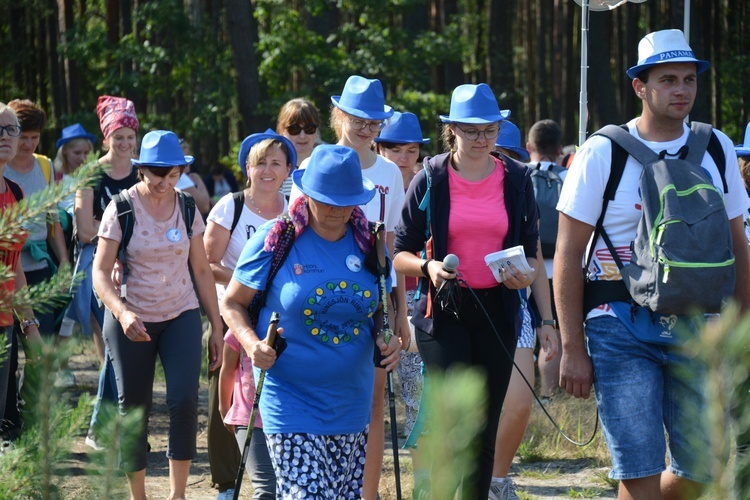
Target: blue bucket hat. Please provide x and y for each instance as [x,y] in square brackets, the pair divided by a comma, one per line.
[510,138]
[253,139]
[744,149]
[334,176]
[665,46]
[474,104]
[402,128]
[161,148]
[363,98]
[75,131]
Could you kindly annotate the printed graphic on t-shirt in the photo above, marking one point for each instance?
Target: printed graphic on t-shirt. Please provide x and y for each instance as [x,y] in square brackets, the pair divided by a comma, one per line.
[605,266]
[337,311]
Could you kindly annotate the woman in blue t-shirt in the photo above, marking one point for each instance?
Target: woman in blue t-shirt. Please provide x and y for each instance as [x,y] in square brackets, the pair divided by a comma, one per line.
[316,397]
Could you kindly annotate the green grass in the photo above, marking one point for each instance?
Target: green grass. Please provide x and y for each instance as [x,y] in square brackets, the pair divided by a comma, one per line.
[544,475]
[584,492]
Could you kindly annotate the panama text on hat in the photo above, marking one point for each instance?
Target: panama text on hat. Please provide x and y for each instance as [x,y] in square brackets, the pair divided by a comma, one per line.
[115,113]
[363,98]
[666,46]
[474,104]
[334,176]
[744,149]
[253,139]
[402,128]
[161,148]
[510,138]
[75,131]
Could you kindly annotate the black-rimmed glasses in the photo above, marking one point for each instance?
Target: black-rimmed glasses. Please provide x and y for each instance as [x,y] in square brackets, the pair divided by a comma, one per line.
[295,129]
[472,134]
[374,126]
[11,130]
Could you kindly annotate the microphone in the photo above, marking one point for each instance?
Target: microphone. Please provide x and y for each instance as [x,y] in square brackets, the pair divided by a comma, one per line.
[450,263]
[448,295]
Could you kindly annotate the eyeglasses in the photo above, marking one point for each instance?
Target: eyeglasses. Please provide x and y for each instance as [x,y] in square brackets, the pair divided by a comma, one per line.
[295,129]
[11,130]
[490,133]
[358,124]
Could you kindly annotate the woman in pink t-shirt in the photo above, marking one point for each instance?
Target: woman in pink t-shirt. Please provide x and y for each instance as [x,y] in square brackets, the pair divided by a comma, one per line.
[155,312]
[478,203]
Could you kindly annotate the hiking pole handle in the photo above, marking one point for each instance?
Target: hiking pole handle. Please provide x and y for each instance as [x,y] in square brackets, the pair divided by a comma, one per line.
[270,340]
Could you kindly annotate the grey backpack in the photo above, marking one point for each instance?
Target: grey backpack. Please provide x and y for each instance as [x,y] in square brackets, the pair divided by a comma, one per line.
[547,188]
[682,259]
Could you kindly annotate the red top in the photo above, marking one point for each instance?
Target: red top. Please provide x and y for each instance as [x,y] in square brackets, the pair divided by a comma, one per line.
[10,251]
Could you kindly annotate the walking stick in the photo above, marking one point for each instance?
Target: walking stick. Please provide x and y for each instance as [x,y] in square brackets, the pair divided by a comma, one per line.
[270,341]
[387,334]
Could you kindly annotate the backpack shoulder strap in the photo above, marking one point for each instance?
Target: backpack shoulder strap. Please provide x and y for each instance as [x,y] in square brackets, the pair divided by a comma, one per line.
[187,205]
[280,252]
[15,189]
[623,138]
[126,217]
[617,167]
[713,146]
[239,202]
[46,165]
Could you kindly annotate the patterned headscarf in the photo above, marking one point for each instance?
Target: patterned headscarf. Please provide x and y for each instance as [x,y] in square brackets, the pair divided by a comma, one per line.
[300,218]
[115,113]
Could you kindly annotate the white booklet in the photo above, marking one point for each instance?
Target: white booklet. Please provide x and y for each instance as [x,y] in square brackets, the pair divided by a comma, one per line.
[504,258]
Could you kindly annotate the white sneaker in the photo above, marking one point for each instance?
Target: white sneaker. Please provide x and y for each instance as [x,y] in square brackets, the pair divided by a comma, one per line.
[503,491]
[91,443]
[226,494]
[65,379]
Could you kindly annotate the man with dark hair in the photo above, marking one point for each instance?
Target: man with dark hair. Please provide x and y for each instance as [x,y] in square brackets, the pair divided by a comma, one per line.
[643,389]
[545,141]
[545,147]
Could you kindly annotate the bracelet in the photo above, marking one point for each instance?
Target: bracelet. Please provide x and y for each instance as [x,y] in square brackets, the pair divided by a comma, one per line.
[423,267]
[25,324]
[550,322]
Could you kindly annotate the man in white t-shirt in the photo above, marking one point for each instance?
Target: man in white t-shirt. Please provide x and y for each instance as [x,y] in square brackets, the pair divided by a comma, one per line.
[642,389]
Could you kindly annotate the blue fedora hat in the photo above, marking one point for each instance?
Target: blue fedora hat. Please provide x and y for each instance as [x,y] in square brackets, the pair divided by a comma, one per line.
[334,176]
[363,98]
[744,149]
[510,138]
[75,131]
[253,139]
[474,104]
[161,148]
[402,128]
[665,46]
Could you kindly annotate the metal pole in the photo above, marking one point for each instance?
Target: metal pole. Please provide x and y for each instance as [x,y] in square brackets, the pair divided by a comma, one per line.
[583,100]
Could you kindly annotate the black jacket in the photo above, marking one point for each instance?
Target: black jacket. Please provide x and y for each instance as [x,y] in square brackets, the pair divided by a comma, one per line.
[411,232]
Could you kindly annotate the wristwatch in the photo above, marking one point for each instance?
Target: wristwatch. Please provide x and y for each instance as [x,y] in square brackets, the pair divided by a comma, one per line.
[550,322]
[423,267]
[25,324]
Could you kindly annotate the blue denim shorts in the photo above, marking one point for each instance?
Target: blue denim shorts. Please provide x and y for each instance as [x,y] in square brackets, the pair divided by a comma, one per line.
[651,402]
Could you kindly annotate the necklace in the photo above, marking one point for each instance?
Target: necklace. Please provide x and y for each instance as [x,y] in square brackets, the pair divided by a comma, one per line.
[258,209]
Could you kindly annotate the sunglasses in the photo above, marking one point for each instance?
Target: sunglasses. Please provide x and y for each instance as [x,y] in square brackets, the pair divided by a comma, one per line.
[295,129]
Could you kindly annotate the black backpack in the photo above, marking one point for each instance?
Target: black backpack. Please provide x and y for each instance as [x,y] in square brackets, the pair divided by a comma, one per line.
[126,216]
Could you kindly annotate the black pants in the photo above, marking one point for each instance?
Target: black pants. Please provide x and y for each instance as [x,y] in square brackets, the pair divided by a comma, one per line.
[469,340]
[177,342]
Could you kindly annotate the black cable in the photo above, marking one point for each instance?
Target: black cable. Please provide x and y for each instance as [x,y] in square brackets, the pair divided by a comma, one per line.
[528,384]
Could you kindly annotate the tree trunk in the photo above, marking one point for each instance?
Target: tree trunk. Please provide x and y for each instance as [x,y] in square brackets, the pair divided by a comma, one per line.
[600,85]
[243,37]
